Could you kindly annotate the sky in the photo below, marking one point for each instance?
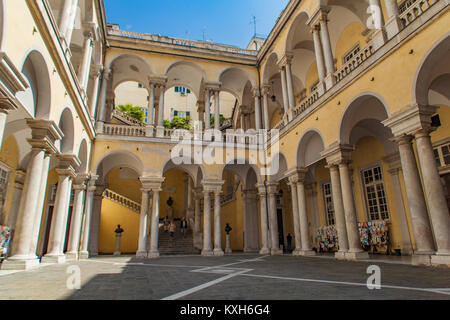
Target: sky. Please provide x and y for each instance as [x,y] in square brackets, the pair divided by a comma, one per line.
[221,21]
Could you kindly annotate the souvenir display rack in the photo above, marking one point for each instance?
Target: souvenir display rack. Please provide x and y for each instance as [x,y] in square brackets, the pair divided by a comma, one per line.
[5,235]
[374,237]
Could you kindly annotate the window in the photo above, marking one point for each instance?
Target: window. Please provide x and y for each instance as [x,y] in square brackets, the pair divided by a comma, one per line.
[328,199]
[375,194]
[351,54]
[442,155]
[182,90]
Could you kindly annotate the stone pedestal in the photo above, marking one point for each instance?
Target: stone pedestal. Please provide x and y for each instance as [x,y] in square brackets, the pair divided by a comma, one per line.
[71,256]
[356,256]
[59,259]
[306,253]
[228,244]
[421,259]
[153,255]
[23,264]
[340,255]
[159,132]
[440,260]
[117,249]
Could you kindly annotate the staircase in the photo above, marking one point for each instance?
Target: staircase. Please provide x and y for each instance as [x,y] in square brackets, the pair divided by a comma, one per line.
[177,246]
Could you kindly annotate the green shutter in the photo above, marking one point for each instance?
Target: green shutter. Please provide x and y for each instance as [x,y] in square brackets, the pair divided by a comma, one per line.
[188,114]
[188,91]
[176,89]
[175,113]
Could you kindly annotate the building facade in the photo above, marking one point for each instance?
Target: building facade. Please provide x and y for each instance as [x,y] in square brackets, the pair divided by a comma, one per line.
[335,139]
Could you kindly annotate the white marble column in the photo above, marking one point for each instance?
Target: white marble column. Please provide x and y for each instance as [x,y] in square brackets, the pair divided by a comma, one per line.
[423,237]
[197,220]
[434,192]
[3,117]
[58,227]
[264,221]
[275,241]
[339,212]
[217,110]
[319,53]
[218,251]
[143,225]
[71,22]
[84,253]
[66,13]
[285,94]
[266,90]
[208,109]
[85,66]
[21,257]
[326,44]
[95,221]
[151,105]
[102,100]
[162,89]
[378,19]
[393,23]
[207,249]
[351,219]
[96,73]
[303,216]
[256,95]
[287,63]
[295,213]
[154,236]
[77,217]
[15,202]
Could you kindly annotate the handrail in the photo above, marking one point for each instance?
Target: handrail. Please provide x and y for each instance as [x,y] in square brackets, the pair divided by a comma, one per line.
[125,117]
[122,200]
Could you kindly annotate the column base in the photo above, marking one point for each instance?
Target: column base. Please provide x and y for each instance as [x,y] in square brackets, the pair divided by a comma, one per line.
[296,253]
[264,251]
[340,255]
[228,251]
[139,254]
[250,250]
[153,255]
[378,39]
[116,254]
[421,259]
[276,252]
[159,132]
[330,81]
[440,260]
[25,264]
[100,126]
[84,255]
[71,255]
[218,252]
[354,256]
[54,259]
[393,26]
[207,253]
[307,253]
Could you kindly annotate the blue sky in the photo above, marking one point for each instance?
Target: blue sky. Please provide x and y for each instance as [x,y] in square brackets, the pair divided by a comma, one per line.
[222,21]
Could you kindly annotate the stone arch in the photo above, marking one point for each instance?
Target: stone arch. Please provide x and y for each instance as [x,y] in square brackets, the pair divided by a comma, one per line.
[66,124]
[37,98]
[186,73]
[119,158]
[83,155]
[299,25]
[193,170]
[234,79]
[309,148]
[131,67]
[242,167]
[363,118]
[278,167]
[434,65]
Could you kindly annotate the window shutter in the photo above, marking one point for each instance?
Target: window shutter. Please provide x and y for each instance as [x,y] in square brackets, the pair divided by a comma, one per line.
[175,113]
[188,113]
[176,89]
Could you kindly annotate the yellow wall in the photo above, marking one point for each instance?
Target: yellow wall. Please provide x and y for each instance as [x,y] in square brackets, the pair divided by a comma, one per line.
[9,156]
[351,36]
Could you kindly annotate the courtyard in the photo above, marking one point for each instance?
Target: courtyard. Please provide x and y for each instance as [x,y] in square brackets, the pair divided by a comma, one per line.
[232,277]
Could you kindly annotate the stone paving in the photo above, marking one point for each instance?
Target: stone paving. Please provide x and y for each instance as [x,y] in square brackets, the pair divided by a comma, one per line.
[233,277]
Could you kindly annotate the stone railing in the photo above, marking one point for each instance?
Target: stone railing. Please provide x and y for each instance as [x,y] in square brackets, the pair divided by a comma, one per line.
[123,201]
[124,130]
[181,42]
[414,9]
[125,117]
[405,5]
[306,103]
[280,125]
[354,63]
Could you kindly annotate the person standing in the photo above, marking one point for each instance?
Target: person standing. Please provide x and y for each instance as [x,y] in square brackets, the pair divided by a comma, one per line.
[172,229]
[183,227]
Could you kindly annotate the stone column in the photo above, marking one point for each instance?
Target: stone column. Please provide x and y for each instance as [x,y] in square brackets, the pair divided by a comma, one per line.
[3,117]
[84,254]
[77,217]
[95,220]
[17,195]
[43,137]
[102,101]
[143,225]
[66,172]
[315,30]
[96,72]
[355,251]
[286,62]
[303,214]
[295,213]
[217,223]
[151,105]
[434,192]
[197,220]
[256,95]
[339,212]
[207,249]
[190,211]
[393,23]
[40,203]
[208,109]
[285,94]
[327,50]
[71,22]
[85,66]
[156,189]
[201,113]
[264,221]
[162,89]
[66,14]
[266,90]
[275,250]
[416,202]
[217,110]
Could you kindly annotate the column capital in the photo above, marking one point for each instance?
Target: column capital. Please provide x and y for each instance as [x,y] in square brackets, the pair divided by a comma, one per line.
[44,134]
[256,92]
[315,28]
[266,89]
[82,179]
[89,35]
[296,175]
[212,185]
[6,105]
[338,154]
[96,70]
[158,81]
[213,86]
[286,59]
[411,119]
[67,164]
[272,188]
[152,183]
[393,161]
[107,73]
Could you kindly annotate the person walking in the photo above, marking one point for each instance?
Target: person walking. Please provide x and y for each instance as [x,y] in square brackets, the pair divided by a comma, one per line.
[183,227]
[172,229]
[166,224]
